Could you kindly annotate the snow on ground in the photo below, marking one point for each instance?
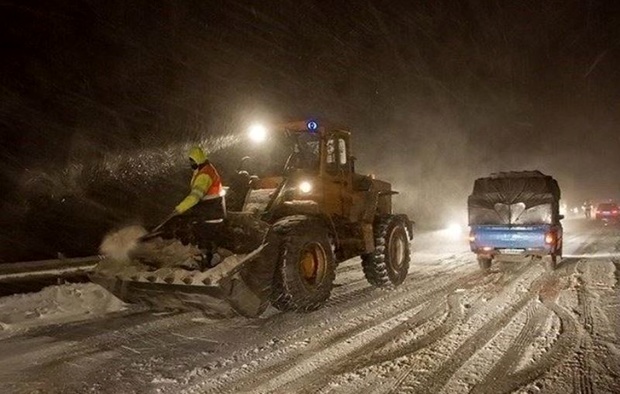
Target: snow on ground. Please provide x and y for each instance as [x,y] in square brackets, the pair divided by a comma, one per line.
[56,304]
[447,329]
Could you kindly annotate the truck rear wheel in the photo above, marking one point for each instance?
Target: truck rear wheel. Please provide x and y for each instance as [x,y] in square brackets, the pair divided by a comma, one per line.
[388,264]
[306,269]
[485,263]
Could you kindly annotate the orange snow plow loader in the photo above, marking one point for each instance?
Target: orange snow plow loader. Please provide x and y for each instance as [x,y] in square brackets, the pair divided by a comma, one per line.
[282,244]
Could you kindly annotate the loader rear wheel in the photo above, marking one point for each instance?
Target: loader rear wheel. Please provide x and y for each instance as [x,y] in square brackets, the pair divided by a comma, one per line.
[306,269]
[388,265]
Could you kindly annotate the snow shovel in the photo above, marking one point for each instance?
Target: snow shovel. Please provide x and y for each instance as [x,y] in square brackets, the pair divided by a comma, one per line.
[156,231]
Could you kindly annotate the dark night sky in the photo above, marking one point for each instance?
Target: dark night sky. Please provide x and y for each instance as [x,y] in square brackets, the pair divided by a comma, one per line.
[436,92]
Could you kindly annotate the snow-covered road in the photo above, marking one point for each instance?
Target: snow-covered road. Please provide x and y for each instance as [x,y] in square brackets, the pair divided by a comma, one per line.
[448,328]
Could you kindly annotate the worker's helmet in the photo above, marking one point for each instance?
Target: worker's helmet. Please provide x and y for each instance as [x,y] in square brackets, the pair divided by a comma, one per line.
[197,156]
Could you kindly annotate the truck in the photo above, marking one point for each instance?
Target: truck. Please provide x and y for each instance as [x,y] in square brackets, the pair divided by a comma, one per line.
[515,215]
[280,243]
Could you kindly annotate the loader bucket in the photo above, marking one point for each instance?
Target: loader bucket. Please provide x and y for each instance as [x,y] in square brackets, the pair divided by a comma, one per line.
[220,291]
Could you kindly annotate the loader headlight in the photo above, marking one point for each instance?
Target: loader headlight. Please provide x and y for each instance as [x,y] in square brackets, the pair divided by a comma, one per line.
[305,187]
[257,133]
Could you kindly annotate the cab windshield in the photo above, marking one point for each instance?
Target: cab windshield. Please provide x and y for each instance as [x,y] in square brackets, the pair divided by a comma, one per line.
[306,152]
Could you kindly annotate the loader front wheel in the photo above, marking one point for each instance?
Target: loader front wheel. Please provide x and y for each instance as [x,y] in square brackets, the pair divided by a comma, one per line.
[388,265]
[306,270]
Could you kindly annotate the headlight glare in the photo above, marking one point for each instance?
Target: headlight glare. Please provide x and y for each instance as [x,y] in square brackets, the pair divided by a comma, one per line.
[305,187]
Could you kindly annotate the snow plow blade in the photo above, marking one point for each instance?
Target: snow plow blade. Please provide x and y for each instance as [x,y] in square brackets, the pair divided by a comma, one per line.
[219,291]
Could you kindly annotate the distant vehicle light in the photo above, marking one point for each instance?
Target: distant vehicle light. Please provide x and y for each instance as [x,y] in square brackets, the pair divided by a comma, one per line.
[472,237]
[454,230]
[258,133]
[305,187]
[487,248]
[312,125]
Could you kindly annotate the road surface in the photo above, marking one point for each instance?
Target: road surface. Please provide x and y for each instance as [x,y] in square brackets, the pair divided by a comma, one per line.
[449,328]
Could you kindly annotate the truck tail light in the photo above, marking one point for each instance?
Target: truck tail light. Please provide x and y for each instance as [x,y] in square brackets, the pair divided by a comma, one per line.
[549,238]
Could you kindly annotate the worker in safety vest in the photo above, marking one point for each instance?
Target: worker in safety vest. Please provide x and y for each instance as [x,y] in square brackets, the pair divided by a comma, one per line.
[205,185]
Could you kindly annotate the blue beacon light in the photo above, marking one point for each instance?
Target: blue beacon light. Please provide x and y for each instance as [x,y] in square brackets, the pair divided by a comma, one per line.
[312,125]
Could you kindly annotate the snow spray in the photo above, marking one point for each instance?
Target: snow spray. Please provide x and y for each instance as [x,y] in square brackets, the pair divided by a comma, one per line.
[119,243]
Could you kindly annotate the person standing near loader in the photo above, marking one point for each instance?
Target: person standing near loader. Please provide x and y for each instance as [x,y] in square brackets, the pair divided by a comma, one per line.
[205,188]
[587,207]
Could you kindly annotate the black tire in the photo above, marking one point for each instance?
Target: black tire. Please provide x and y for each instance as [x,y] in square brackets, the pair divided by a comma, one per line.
[306,268]
[550,262]
[485,263]
[388,265]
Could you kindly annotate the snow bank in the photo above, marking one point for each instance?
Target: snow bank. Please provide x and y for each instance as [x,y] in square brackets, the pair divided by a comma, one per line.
[55,304]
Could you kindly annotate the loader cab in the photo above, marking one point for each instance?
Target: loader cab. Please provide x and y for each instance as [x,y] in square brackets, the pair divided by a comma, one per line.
[336,172]
[337,159]
[320,159]
[305,155]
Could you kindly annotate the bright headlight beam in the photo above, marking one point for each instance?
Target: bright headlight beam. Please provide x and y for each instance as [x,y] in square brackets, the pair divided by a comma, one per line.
[454,230]
[258,133]
[305,187]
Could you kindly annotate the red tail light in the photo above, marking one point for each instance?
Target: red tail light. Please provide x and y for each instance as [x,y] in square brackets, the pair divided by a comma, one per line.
[549,238]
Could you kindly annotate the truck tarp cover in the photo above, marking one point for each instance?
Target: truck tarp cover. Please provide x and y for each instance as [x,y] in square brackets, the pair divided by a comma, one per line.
[506,198]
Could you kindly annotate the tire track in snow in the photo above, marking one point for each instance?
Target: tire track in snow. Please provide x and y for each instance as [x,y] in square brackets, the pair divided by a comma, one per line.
[348,300]
[349,296]
[438,379]
[449,323]
[569,335]
[407,304]
[435,382]
[365,355]
[313,325]
[85,352]
[536,318]
[320,375]
[562,348]
[350,290]
[582,371]
[505,278]
[455,315]
[348,267]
